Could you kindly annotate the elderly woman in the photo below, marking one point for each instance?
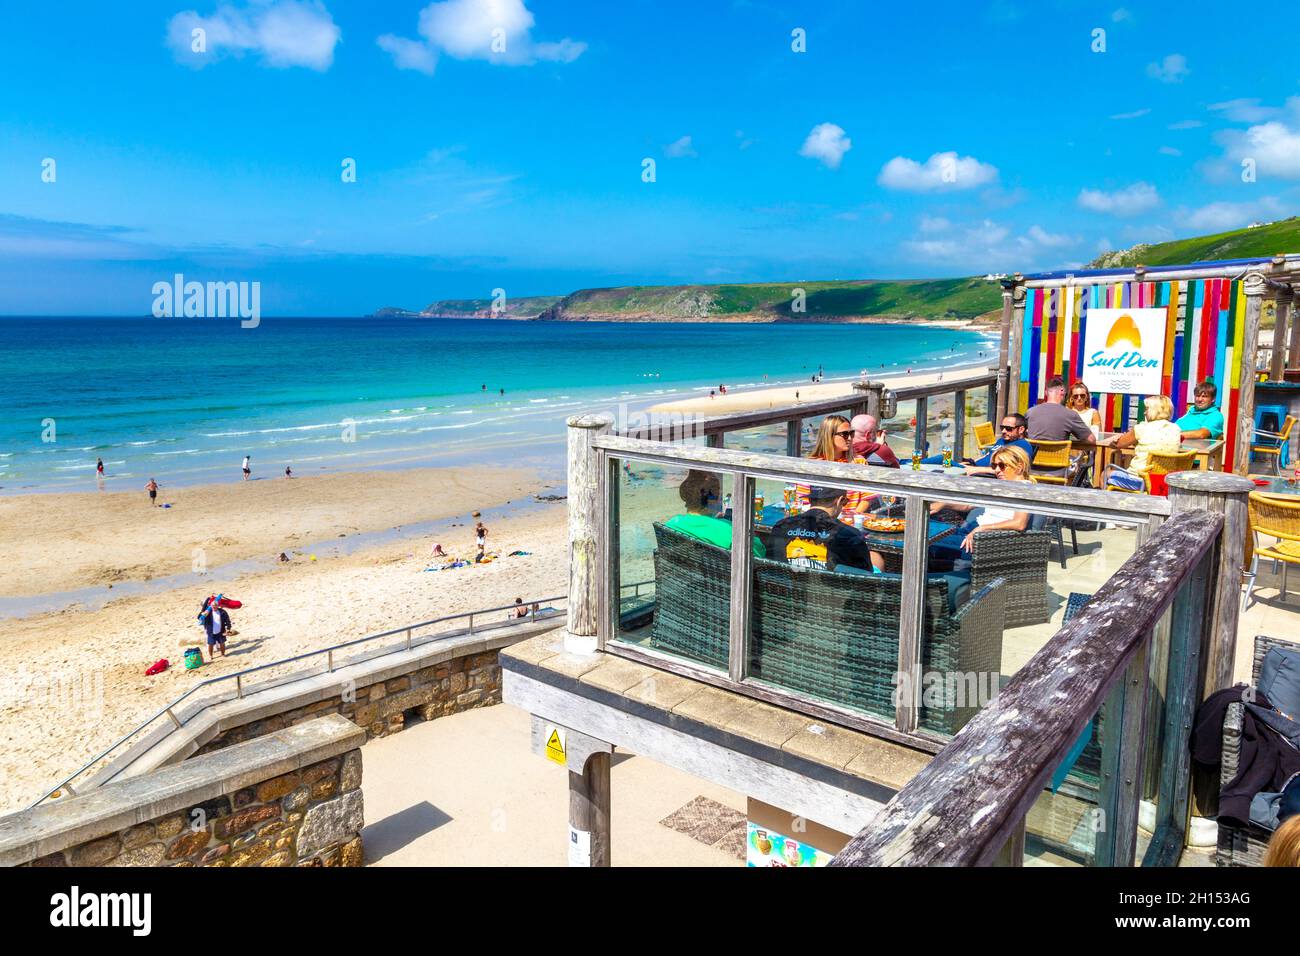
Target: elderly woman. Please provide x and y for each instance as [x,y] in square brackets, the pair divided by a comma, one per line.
[1155,435]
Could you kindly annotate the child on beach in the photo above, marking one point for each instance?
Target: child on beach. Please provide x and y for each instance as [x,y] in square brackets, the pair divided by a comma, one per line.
[247,470]
[480,535]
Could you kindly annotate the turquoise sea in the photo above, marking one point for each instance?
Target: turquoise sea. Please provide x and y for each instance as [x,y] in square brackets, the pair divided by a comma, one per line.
[183,400]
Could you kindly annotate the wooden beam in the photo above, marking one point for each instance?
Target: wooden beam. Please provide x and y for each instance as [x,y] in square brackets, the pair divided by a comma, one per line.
[1004,352]
[1014,370]
[1281,311]
[1254,287]
[967,802]
[585,511]
[1225,495]
[1293,352]
[911,618]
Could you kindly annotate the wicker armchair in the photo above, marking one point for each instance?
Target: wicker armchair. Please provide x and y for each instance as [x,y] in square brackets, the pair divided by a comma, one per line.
[1242,846]
[1020,558]
[1052,458]
[828,635]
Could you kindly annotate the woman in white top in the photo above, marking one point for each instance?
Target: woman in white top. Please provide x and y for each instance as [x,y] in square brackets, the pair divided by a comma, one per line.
[1156,435]
[1009,464]
[1080,400]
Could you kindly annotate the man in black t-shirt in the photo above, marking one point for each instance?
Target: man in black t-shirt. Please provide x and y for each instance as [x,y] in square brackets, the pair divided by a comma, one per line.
[817,539]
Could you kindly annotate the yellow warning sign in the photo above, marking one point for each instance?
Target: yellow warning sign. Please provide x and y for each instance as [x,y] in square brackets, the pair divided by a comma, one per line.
[555,746]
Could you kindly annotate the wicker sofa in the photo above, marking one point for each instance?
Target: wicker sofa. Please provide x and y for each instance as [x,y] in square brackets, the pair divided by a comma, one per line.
[1018,557]
[1242,846]
[829,635]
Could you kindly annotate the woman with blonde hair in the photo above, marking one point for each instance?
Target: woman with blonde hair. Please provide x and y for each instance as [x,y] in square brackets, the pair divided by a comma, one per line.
[1009,463]
[835,443]
[1158,434]
[1284,846]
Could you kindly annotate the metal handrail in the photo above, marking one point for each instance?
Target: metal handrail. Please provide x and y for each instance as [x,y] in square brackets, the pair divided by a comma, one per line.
[238,677]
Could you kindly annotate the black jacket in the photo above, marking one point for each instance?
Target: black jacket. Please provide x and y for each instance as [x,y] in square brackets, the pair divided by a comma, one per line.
[815,540]
[1266,761]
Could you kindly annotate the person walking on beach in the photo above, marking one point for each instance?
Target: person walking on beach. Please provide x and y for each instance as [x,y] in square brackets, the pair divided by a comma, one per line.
[152,488]
[99,468]
[480,535]
[288,471]
[247,470]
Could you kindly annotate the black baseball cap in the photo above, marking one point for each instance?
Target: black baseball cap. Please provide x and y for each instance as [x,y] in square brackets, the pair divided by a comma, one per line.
[824,493]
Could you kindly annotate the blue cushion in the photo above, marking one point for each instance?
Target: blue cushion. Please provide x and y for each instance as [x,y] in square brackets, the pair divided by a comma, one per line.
[1279,679]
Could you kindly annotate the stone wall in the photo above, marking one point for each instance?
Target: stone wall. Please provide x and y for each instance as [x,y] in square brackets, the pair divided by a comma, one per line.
[381,708]
[268,802]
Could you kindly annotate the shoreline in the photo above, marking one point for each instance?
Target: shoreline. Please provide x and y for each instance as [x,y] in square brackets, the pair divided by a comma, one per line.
[760,399]
[69,541]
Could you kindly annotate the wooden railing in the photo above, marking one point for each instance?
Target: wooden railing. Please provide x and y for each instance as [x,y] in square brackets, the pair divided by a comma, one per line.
[968,805]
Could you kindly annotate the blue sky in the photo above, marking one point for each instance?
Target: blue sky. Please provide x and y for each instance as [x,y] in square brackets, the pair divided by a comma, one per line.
[906,140]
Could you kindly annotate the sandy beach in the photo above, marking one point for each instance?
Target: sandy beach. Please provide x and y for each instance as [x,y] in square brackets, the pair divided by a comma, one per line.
[757,399]
[73,681]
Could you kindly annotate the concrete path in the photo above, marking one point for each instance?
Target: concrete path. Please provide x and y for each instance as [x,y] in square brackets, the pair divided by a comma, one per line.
[466,790]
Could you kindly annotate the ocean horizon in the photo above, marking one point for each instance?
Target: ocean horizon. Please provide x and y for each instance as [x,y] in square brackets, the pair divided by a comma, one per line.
[183,400]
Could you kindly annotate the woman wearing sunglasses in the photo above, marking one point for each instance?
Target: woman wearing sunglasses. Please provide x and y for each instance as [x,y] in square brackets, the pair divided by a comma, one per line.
[1080,400]
[835,443]
[1009,464]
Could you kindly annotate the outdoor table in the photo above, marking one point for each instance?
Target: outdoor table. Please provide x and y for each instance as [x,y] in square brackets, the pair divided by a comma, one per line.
[1101,452]
[1278,486]
[1209,452]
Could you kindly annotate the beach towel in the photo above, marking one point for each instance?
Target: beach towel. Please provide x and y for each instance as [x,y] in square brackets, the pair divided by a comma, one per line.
[157,667]
[514,554]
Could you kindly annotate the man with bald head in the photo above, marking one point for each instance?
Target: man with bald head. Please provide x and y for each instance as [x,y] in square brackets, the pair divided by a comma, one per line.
[869,442]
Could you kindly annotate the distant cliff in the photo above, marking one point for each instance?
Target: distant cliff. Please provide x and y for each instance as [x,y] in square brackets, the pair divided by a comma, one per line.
[955,300]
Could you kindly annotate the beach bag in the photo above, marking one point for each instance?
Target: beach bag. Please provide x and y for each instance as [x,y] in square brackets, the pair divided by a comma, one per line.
[193,658]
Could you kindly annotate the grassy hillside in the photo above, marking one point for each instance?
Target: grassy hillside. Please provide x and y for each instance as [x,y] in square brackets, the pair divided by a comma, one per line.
[771,302]
[1281,236]
[526,307]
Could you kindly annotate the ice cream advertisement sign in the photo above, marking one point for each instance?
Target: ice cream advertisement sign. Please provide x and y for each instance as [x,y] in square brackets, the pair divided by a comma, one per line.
[1124,351]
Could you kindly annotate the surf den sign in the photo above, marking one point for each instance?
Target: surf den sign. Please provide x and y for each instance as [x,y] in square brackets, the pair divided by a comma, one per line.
[1124,351]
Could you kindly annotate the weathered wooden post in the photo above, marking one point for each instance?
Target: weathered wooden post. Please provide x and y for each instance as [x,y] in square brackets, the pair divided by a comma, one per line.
[866,400]
[589,812]
[1293,353]
[1255,286]
[585,528]
[1225,494]
[1012,403]
[1281,311]
[1004,350]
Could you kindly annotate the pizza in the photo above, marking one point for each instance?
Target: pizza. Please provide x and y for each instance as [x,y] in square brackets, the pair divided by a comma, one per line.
[892,525]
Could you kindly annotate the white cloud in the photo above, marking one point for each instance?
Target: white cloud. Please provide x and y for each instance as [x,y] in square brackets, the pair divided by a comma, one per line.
[1170,151]
[1128,116]
[1186,124]
[984,245]
[680,148]
[942,171]
[1275,148]
[1038,236]
[827,144]
[1245,110]
[1120,15]
[1129,201]
[1222,216]
[409,54]
[1172,69]
[283,33]
[499,31]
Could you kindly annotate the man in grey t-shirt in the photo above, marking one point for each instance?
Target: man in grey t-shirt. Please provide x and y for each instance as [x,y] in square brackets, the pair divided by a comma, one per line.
[1050,420]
